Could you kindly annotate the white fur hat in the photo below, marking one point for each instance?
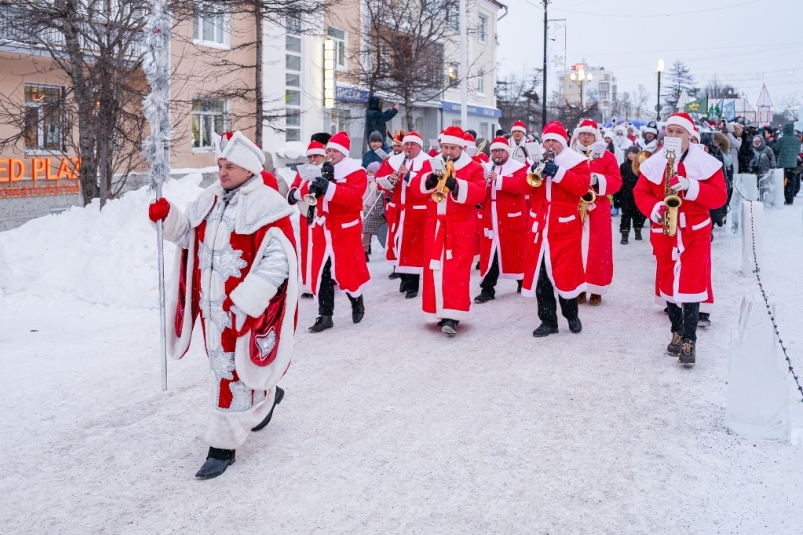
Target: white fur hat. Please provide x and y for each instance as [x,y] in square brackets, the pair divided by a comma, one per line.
[239,150]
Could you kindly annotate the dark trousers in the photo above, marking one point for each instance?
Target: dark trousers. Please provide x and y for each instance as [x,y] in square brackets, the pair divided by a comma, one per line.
[547,308]
[412,281]
[326,294]
[488,283]
[631,213]
[684,320]
[790,188]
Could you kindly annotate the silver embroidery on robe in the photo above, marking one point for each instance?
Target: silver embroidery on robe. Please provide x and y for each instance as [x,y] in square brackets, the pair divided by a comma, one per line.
[222,364]
[227,262]
[212,310]
[204,257]
[242,397]
[266,342]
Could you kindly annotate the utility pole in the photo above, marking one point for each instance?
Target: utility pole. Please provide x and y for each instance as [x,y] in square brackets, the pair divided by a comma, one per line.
[463,66]
[543,96]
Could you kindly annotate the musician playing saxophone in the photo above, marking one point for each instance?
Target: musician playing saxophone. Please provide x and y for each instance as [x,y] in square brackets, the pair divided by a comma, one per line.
[683,273]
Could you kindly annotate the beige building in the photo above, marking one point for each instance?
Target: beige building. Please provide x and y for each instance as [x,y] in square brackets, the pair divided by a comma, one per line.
[601,88]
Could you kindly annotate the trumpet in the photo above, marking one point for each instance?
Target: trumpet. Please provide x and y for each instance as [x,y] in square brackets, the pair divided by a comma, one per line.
[589,197]
[327,172]
[441,191]
[535,177]
[638,160]
[671,200]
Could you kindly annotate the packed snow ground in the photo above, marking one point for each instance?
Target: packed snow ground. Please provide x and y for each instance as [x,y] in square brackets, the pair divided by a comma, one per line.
[387,426]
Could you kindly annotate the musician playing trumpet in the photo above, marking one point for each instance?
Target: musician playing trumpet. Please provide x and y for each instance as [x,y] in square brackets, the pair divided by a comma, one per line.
[503,235]
[687,176]
[597,231]
[405,211]
[449,231]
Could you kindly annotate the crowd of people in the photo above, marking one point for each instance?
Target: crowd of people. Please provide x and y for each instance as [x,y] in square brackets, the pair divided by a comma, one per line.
[535,210]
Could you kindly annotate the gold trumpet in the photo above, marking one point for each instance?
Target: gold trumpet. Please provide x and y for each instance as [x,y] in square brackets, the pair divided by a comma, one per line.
[589,197]
[441,191]
[671,199]
[310,199]
[535,178]
[638,160]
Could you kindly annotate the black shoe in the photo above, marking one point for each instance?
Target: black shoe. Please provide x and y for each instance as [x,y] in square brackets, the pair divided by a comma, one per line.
[704,320]
[484,297]
[369,249]
[367,258]
[215,466]
[440,323]
[545,330]
[638,234]
[357,310]
[306,295]
[624,238]
[687,352]
[575,326]
[449,327]
[276,400]
[321,324]
[403,286]
[673,349]
[519,283]
[412,293]
[394,275]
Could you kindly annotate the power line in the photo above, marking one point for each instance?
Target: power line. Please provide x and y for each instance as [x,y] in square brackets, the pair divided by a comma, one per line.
[619,15]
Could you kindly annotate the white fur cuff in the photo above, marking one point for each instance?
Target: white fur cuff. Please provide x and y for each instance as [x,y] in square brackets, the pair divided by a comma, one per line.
[693,191]
[559,175]
[253,295]
[330,192]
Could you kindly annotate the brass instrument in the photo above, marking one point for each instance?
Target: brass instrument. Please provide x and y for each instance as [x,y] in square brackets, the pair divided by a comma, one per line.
[481,146]
[441,191]
[312,200]
[671,200]
[638,160]
[535,177]
[589,197]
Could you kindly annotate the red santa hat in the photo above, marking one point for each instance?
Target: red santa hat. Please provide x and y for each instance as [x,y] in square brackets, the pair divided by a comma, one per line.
[239,150]
[468,139]
[453,135]
[683,120]
[556,131]
[501,143]
[433,152]
[340,142]
[316,149]
[518,126]
[413,137]
[587,126]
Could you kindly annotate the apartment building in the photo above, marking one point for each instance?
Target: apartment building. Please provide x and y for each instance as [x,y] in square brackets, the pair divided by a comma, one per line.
[600,87]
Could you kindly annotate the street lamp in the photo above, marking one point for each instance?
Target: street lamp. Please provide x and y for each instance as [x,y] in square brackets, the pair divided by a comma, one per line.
[658,106]
[581,77]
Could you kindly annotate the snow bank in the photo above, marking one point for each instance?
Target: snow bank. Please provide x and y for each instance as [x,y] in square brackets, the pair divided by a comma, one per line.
[104,257]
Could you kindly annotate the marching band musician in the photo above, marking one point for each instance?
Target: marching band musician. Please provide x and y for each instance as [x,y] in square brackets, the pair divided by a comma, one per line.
[597,233]
[504,230]
[449,232]
[553,260]
[406,212]
[518,133]
[683,274]
[316,154]
[337,254]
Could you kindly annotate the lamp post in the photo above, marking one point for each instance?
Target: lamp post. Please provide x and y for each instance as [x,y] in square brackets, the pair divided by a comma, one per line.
[658,105]
[581,77]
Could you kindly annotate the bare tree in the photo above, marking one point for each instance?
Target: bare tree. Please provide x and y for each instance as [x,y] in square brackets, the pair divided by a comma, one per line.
[518,99]
[715,89]
[95,46]
[641,100]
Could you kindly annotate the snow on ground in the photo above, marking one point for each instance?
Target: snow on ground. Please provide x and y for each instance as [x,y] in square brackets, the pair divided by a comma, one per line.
[388,426]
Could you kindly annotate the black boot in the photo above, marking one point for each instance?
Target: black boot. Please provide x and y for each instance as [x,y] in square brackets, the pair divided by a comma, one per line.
[673,349]
[688,352]
[394,275]
[367,258]
[321,324]
[544,330]
[485,296]
[276,400]
[217,460]
[624,237]
[449,327]
[518,284]
[412,292]
[357,310]
[638,234]
[704,320]
[575,326]
[306,295]
[403,285]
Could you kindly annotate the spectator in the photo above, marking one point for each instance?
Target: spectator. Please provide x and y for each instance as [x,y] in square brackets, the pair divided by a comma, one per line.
[787,148]
[375,118]
[624,198]
[763,160]
[373,210]
[733,132]
[375,141]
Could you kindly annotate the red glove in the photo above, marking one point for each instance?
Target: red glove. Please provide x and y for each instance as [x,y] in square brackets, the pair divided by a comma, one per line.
[661,212]
[158,210]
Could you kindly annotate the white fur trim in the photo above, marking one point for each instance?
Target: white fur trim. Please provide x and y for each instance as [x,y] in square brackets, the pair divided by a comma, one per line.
[504,146]
[557,137]
[602,184]
[518,129]
[453,140]
[683,123]
[413,139]
[316,152]
[559,175]
[338,147]
[345,168]
[693,191]
[241,151]
[598,290]
[174,225]
[330,192]
[462,190]
[252,295]
[702,224]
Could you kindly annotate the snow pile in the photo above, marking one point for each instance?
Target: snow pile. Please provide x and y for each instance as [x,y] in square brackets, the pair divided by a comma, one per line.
[104,257]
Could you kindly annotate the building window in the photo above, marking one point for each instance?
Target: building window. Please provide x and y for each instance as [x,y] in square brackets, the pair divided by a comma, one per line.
[340,121]
[208,117]
[339,37]
[293,80]
[211,27]
[292,97]
[454,19]
[484,130]
[293,25]
[43,118]
[292,62]
[604,88]
[482,29]
[419,125]
[481,82]
[292,119]
[293,44]
[455,122]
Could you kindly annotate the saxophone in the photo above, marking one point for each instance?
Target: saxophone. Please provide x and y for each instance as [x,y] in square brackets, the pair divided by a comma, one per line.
[671,200]
[590,196]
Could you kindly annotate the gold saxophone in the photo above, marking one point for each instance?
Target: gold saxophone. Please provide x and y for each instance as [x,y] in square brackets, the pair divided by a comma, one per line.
[441,191]
[590,196]
[671,199]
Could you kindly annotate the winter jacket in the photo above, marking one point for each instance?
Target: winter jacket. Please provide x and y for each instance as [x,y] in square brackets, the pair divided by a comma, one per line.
[375,118]
[370,157]
[745,152]
[735,145]
[624,197]
[763,158]
[787,147]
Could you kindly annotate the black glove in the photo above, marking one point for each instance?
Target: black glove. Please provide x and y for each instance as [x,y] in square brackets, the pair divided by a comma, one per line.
[451,183]
[328,171]
[291,196]
[432,181]
[313,190]
[321,185]
[534,166]
[551,169]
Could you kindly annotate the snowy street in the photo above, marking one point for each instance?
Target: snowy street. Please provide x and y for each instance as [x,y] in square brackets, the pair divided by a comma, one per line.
[391,427]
